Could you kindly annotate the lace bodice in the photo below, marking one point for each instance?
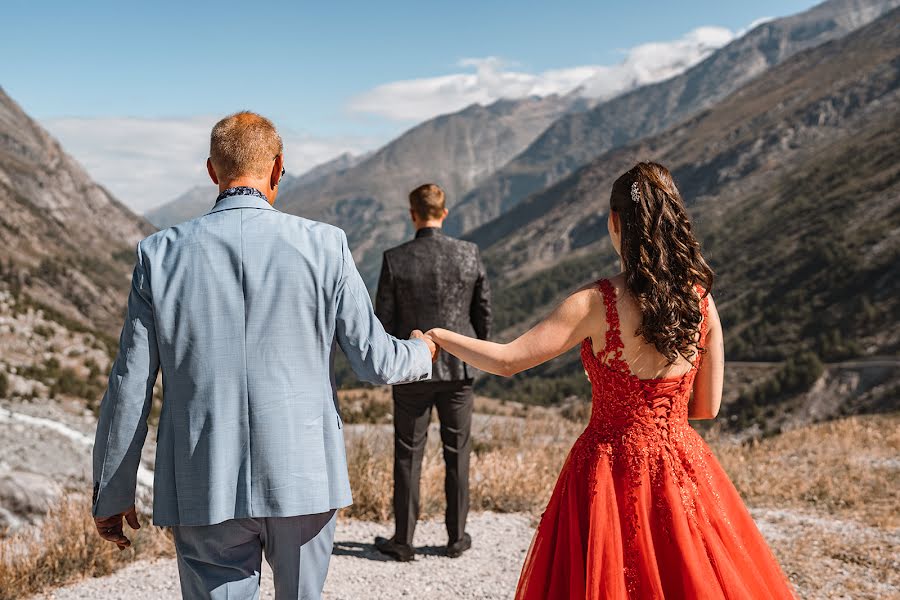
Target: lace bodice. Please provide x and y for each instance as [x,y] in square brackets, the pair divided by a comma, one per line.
[620,399]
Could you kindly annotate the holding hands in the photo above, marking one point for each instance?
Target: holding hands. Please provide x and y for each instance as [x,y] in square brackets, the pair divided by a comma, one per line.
[429,341]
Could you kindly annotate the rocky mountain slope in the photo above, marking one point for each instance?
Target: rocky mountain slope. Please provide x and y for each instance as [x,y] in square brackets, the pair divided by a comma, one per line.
[794,185]
[335,165]
[575,139]
[64,240]
[457,150]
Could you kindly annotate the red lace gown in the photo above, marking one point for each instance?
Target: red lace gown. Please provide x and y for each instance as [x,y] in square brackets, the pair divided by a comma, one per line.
[642,509]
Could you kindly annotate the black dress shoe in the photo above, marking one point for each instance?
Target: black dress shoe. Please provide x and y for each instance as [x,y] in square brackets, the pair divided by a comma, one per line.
[456,549]
[400,552]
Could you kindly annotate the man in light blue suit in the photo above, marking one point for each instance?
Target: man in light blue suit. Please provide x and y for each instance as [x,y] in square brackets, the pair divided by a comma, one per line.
[242,309]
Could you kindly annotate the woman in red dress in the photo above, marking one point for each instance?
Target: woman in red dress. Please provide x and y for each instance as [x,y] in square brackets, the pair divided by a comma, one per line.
[641,509]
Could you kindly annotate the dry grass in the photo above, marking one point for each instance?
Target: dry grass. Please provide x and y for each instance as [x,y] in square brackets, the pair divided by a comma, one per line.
[844,468]
[847,468]
[372,406]
[67,547]
[827,500]
[513,467]
[518,451]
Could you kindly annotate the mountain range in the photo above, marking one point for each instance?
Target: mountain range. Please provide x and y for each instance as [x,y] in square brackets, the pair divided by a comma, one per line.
[575,139]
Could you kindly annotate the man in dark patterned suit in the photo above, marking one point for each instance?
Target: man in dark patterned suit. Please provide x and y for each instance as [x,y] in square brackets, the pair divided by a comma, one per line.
[432,281]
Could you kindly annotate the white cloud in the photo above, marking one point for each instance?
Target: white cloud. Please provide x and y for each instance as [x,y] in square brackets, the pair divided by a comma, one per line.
[494,78]
[146,162]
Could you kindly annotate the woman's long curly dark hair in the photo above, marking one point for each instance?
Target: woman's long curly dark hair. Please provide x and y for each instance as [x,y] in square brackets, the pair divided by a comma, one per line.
[661,259]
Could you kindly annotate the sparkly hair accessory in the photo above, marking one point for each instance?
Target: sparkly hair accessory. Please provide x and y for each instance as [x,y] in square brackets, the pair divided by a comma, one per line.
[635,193]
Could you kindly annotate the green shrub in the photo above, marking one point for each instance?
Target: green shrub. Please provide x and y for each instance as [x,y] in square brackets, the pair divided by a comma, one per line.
[539,390]
[757,404]
[43,331]
[66,381]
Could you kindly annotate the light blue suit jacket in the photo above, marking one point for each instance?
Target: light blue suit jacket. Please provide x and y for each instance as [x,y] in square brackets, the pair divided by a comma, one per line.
[241,309]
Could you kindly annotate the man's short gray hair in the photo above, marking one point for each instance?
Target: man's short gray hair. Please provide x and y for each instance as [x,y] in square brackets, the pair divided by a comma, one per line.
[244,144]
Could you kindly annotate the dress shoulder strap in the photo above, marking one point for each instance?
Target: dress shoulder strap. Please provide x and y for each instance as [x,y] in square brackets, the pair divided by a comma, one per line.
[704,313]
[612,350]
[704,324]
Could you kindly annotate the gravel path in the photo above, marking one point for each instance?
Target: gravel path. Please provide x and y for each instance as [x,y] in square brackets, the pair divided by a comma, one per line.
[489,570]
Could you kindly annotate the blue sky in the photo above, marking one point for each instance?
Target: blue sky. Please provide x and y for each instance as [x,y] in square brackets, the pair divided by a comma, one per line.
[111,78]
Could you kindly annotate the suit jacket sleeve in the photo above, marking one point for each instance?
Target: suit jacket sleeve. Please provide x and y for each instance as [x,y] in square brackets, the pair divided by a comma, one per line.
[480,310]
[374,355]
[122,424]
[384,297]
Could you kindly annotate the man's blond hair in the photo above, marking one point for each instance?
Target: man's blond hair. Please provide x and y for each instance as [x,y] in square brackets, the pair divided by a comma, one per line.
[244,144]
[427,201]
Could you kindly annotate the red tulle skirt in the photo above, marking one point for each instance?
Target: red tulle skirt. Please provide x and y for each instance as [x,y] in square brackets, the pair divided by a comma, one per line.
[648,523]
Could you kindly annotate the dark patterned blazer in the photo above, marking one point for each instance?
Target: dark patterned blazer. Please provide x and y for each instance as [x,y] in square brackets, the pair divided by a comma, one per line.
[435,281]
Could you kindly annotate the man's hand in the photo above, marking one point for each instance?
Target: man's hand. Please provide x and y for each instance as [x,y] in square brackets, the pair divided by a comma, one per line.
[437,349]
[432,347]
[110,528]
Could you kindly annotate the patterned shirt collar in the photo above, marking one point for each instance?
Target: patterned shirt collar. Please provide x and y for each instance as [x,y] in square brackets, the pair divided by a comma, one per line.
[428,232]
[241,190]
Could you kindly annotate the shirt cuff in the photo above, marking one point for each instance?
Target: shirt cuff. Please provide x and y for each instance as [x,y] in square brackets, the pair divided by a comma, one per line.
[424,363]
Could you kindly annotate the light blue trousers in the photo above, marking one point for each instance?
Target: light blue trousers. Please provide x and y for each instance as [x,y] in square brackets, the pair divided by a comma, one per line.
[223,561]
